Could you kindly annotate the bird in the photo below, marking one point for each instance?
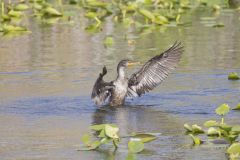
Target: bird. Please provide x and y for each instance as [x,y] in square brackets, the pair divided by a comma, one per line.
[150,75]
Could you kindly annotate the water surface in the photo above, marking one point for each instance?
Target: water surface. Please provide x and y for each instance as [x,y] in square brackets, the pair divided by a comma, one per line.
[46,80]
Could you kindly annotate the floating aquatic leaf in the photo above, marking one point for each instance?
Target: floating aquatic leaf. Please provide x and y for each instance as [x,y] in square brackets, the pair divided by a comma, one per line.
[145,137]
[13,13]
[111,131]
[237,107]
[86,139]
[147,14]
[97,127]
[218,25]
[211,123]
[225,127]
[11,28]
[234,149]
[102,133]
[37,6]
[52,11]
[91,14]
[233,76]
[135,146]
[222,109]
[108,41]
[94,3]
[161,20]
[91,146]
[212,132]
[216,7]
[196,140]
[21,7]
[197,129]
[187,127]
[236,129]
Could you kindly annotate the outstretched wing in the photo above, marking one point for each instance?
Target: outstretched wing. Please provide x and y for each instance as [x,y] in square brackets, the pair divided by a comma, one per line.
[101,89]
[154,71]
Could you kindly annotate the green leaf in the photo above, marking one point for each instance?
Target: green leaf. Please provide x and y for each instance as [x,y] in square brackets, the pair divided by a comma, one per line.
[11,28]
[234,148]
[97,127]
[92,146]
[116,142]
[135,146]
[111,131]
[52,11]
[225,127]
[222,109]
[13,13]
[147,14]
[91,15]
[197,129]
[187,127]
[105,140]
[161,20]
[145,137]
[21,7]
[211,123]
[233,76]
[236,129]
[218,25]
[196,140]
[86,139]
[108,41]
[212,132]
[237,107]
[102,134]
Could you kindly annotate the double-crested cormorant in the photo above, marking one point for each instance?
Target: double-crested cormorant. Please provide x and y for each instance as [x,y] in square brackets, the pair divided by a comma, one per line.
[148,77]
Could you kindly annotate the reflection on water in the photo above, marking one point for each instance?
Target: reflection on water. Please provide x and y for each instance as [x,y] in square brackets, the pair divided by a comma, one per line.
[46,79]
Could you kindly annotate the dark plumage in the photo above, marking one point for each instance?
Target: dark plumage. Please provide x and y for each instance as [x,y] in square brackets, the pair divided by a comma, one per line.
[148,77]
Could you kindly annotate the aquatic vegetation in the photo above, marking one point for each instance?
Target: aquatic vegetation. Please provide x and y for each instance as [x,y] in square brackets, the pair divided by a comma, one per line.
[106,133]
[233,76]
[219,130]
[140,14]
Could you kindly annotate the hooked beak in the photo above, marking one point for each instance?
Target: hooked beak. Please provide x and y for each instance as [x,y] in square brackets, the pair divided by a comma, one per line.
[132,63]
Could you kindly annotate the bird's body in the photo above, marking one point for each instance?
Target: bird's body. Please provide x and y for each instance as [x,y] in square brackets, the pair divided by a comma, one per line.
[148,77]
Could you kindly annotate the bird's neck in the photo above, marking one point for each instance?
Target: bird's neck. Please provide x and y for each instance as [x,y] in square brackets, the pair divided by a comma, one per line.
[121,73]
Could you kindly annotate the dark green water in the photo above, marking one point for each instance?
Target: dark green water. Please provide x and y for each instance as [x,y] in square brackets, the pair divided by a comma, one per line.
[46,79]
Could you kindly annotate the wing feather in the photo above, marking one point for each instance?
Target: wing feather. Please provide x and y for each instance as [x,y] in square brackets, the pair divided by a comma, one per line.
[101,89]
[155,71]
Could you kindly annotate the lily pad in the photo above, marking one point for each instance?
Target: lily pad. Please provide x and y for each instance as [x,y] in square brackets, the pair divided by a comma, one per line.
[233,76]
[11,28]
[234,148]
[211,123]
[97,127]
[197,129]
[147,14]
[222,109]
[145,137]
[108,41]
[187,127]
[13,13]
[21,7]
[135,146]
[196,140]
[236,129]
[237,107]
[91,146]
[212,132]
[111,131]
[52,11]
[86,139]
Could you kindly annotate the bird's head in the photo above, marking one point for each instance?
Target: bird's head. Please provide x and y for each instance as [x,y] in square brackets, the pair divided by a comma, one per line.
[127,63]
